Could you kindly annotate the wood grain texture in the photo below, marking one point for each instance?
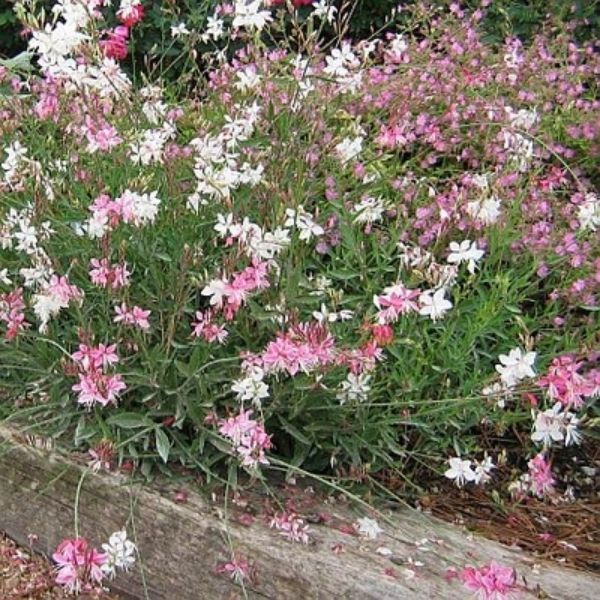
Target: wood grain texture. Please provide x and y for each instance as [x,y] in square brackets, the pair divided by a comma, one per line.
[182,544]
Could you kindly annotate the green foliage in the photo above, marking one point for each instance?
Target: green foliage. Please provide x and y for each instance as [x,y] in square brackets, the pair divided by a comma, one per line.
[10,42]
[425,401]
[522,18]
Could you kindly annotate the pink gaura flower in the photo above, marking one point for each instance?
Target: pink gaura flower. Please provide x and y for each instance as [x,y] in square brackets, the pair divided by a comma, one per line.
[238,569]
[363,359]
[230,296]
[541,480]
[303,347]
[47,107]
[12,313]
[395,301]
[291,526]
[105,275]
[96,387]
[60,288]
[104,208]
[383,335]
[99,357]
[79,565]
[135,317]
[130,13]
[565,384]
[204,327]
[248,437]
[284,355]
[114,45]
[101,136]
[489,582]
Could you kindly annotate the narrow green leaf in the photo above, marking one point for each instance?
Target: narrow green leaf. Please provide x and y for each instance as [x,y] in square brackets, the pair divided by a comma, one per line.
[162,444]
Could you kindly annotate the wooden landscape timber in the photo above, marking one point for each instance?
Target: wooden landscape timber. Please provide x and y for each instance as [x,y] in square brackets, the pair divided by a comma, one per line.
[181,544]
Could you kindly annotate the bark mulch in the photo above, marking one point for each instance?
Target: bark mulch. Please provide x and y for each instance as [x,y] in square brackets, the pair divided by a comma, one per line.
[568,533]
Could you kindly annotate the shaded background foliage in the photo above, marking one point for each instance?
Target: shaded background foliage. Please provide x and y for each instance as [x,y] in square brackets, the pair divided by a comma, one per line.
[522,18]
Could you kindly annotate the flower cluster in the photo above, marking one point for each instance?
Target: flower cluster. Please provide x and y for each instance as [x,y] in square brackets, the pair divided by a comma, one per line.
[12,313]
[539,480]
[83,568]
[79,565]
[490,582]
[341,239]
[565,384]
[464,471]
[248,437]
[291,526]
[96,385]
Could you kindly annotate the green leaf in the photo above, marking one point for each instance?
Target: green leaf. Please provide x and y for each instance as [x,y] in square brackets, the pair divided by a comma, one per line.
[129,420]
[162,444]
[294,432]
[184,368]
[232,475]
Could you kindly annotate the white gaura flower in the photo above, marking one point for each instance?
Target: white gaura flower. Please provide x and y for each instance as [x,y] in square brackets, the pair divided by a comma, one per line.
[149,149]
[326,316]
[269,243]
[548,426]
[486,210]
[226,226]
[355,389]
[249,15]
[572,433]
[215,29]
[340,61]
[323,9]
[26,238]
[515,366]
[483,470]
[145,208]
[460,471]
[16,154]
[55,42]
[36,277]
[96,226]
[217,290]
[304,222]
[75,12]
[251,387]
[179,30]
[369,210]
[466,251]
[434,304]
[368,528]
[481,180]
[120,553]
[522,118]
[349,148]
[248,79]
[519,149]
[398,45]
[4,278]
[589,212]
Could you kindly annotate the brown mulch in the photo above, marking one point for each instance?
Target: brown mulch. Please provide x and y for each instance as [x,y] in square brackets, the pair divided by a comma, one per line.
[27,576]
[566,532]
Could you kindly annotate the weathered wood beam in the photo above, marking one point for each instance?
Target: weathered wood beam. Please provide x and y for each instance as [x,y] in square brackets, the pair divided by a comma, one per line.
[182,544]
